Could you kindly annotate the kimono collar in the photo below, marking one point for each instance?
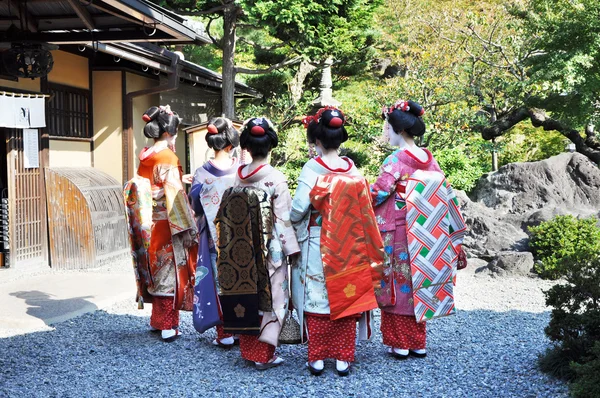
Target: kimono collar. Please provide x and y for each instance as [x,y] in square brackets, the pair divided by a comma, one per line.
[407,157]
[217,172]
[340,170]
[148,152]
[257,174]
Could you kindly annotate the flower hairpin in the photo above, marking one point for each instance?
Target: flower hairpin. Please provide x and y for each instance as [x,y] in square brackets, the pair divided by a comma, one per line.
[317,117]
[400,105]
[166,109]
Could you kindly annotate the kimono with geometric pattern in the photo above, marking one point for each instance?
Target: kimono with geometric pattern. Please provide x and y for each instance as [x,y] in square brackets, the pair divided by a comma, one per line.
[400,280]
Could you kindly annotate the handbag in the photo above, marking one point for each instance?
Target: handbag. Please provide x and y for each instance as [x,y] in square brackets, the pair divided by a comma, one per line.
[290,332]
[462,260]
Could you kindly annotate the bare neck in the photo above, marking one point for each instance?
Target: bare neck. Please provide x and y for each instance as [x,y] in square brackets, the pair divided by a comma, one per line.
[222,159]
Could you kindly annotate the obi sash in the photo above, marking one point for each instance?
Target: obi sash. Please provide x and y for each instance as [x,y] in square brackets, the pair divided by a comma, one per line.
[351,245]
[244,224]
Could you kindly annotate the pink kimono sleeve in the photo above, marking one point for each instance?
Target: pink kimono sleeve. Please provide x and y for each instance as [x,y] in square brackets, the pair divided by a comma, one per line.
[385,185]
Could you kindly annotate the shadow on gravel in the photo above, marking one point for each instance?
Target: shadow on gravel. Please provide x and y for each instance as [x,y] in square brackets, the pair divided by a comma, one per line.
[43,306]
[478,353]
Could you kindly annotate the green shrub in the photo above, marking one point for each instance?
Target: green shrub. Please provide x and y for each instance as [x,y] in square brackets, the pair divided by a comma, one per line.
[461,170]
[574,324]
[563,236]
[587,383]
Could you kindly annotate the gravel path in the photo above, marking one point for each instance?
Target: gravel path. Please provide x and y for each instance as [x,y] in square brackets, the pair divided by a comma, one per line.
[489,349]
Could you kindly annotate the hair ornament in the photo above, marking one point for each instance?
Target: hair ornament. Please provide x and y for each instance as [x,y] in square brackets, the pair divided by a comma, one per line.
[336,121]
[257,131]
[212,129]
[166,109]
[403,106]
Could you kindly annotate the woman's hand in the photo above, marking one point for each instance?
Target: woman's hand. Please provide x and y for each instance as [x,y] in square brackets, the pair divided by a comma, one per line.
[187,179]
[187,239]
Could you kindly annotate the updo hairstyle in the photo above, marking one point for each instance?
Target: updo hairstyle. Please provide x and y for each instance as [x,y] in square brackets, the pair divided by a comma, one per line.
[160,120]
[327,126]
[221,133]
[258,137]
[405,116]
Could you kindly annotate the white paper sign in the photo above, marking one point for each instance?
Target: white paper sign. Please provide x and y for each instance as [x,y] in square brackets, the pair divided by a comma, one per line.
[31,149]
[22,112]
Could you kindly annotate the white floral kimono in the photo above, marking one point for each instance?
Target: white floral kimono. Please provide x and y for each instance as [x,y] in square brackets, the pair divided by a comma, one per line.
[282,243]
[309,293]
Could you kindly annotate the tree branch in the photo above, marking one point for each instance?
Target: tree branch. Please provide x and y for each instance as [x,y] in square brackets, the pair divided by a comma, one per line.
[214,10]
[282,64]
[500,126]
[212,38]
[539,118]
[260,47]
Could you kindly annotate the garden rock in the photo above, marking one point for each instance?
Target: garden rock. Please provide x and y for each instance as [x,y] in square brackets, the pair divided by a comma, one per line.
[505,203]
[512,264]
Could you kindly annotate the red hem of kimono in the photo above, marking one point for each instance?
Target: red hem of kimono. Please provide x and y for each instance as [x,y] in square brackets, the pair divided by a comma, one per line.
[403,331]
[254,350]
[331,339]
[164,317]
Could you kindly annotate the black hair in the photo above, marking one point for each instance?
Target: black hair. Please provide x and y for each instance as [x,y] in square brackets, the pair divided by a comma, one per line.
[160,121]
[225,134]
[409,121]
[258,137]
[329,130]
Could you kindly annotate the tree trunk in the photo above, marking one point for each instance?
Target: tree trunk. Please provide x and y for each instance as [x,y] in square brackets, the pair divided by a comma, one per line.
[493,120]
[229,41]
[297,84]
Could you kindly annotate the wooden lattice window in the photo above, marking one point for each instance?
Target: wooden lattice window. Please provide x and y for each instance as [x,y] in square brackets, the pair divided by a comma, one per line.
[68,112]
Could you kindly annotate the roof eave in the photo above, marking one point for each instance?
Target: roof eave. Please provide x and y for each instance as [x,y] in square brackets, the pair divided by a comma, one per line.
[161,19]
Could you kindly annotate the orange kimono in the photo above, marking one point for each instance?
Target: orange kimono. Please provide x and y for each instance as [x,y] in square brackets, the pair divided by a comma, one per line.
[169,269]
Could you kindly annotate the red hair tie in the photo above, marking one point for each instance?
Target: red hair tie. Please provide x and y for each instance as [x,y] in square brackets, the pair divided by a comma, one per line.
[257,131]
[212,129]
[146,118]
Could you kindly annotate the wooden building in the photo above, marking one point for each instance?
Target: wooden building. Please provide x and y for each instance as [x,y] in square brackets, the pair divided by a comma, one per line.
[110,65]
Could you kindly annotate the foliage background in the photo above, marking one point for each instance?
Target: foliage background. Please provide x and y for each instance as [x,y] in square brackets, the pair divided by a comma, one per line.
[466,62]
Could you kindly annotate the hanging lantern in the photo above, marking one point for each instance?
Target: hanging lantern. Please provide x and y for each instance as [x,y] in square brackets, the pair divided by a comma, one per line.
[27,60]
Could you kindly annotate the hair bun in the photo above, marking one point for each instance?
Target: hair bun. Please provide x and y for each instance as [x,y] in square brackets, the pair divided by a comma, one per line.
[151,114]
[415,108]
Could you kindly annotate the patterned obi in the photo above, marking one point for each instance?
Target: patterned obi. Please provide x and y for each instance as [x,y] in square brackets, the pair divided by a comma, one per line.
[399,198]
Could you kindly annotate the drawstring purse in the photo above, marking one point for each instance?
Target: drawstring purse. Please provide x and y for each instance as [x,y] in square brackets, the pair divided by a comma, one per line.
[290,332]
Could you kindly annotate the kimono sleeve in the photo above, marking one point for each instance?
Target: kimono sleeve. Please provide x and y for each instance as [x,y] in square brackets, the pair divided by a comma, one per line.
[458,226]
[178,209]
[282,203]
[194,196]
[301,202]
[385,185]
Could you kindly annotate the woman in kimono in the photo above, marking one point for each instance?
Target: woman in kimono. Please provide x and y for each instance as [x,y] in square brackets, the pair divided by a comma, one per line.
[403,332]
[259,137]
[209,183]
[172,227]
[328,337]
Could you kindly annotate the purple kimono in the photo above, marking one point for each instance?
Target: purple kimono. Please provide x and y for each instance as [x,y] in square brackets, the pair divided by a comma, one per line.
[205,196]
